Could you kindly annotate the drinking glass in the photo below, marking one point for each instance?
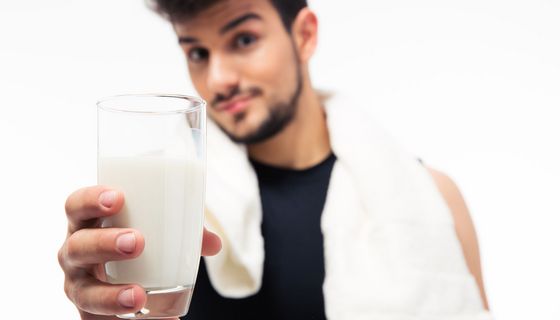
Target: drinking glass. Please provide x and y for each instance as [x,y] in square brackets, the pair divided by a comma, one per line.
[152,147]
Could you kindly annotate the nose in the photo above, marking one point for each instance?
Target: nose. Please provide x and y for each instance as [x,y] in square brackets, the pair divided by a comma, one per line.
[222,76]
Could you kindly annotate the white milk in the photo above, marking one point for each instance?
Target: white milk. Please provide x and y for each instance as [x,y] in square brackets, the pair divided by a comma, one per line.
[164,199]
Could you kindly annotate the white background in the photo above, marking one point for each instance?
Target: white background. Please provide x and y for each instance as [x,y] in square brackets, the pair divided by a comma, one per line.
[472,87]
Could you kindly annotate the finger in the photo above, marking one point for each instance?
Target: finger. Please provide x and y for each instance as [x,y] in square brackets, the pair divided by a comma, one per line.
[211,243]
[85,205]
[92,246]
[99,298]
[89,316]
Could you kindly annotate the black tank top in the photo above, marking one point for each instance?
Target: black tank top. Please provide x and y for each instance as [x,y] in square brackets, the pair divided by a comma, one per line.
[292,203]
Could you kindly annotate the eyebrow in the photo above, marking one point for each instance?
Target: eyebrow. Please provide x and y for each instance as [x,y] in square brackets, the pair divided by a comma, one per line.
[228,27]
[237,21]
[187,40]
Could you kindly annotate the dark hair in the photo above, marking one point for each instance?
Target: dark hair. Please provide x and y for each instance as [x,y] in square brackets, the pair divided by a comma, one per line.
[177,10]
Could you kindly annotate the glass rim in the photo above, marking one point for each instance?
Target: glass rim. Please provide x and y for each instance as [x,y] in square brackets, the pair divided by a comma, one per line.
[196,103]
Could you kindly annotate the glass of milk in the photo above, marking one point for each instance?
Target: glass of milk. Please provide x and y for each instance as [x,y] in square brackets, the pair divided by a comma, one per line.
[153,148]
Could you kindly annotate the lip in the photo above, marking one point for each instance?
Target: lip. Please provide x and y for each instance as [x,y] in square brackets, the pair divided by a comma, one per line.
[234,106]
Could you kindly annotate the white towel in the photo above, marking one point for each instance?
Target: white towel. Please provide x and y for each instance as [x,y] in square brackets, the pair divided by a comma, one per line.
[390,246]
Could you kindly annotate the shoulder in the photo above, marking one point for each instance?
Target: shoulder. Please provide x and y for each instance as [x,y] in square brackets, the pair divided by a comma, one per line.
[464,225]
[457,205]
[449,190]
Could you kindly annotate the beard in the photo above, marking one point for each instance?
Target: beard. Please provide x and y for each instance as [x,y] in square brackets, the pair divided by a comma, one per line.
[279,116]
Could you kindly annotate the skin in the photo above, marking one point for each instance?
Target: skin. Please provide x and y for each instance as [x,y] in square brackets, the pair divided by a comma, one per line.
[260,59]
[87,248]
[269,63]
[464,226]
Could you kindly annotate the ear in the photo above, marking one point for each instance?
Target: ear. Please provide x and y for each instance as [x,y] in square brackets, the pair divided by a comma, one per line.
[304,32]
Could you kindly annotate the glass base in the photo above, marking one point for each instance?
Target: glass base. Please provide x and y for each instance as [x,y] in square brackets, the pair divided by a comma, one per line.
[164,303]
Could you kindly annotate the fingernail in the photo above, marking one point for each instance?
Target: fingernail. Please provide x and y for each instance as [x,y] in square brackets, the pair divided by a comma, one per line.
[126,298]
[107,198]
[126,242]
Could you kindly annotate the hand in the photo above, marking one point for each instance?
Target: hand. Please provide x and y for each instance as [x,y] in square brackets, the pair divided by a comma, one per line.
[88,247]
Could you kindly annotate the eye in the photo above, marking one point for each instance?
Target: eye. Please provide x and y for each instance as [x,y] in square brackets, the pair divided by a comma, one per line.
[244,40]
[198,55]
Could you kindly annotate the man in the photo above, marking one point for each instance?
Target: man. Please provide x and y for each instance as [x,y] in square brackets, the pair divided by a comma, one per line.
[249,59]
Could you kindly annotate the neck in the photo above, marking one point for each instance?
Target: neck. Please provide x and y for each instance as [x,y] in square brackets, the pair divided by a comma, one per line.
[303,143]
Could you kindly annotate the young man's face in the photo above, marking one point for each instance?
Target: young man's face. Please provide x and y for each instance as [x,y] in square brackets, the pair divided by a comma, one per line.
[243,61]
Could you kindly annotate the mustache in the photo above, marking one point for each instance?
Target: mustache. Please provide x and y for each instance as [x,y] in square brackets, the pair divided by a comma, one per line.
[252,92]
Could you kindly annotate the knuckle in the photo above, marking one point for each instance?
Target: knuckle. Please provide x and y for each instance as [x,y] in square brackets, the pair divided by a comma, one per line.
[68,288]
[101,243]
[73,249]
[106,299]
[73,198]
[78,294]
[78,298]
[68,205]
[93,298]
[82,199]
[61,257]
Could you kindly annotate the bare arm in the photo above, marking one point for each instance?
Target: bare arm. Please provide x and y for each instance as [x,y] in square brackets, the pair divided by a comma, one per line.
[463,226]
